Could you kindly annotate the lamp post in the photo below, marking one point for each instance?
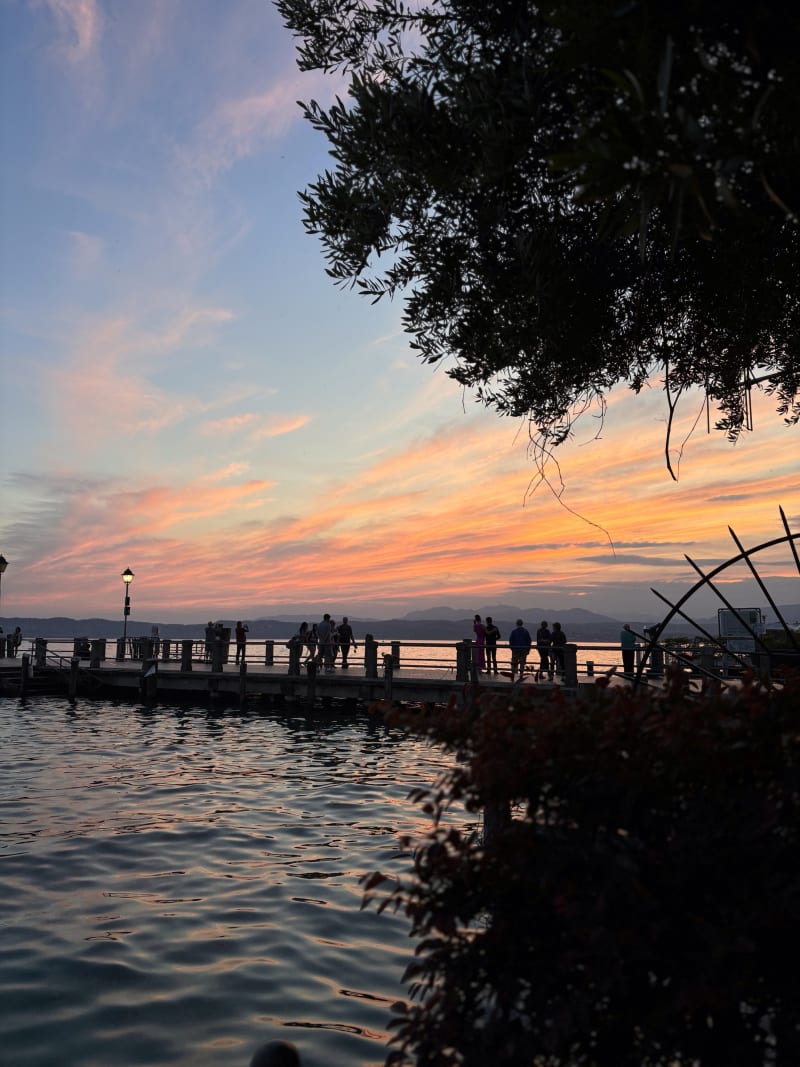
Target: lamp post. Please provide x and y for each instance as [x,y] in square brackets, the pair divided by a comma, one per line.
[3,565]
[127,577]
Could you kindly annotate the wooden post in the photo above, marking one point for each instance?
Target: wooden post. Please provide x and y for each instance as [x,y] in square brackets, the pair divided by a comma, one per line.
[148,680]
[98,652]
[370,656]
[74,666]
[295,648]
[242,681]
[165,649]
[40,652]
[311,670]
[388,672]
[571,665]
[23,678]
[269,653]
[472,659]
[216,655]
[462,661]
[395,653]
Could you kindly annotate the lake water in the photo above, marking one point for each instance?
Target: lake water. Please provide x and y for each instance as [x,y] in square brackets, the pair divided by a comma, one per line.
[180,886]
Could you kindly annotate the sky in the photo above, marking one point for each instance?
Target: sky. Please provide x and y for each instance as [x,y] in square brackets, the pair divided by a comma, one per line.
[184,391]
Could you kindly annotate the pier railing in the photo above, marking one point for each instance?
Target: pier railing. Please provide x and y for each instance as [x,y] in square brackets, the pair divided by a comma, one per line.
[454,659]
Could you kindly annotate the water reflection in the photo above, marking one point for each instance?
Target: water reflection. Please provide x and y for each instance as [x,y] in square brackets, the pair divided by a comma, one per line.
[181,883]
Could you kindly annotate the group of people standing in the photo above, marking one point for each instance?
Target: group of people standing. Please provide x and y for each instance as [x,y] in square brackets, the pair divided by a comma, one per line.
[325,641]
[549,644]
[486,637]
[10,643]
[216,633]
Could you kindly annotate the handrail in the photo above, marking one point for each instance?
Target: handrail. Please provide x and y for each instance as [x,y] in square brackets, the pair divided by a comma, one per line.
[443,657]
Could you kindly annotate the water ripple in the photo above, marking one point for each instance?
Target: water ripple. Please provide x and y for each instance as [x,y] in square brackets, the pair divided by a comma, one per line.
[181,886]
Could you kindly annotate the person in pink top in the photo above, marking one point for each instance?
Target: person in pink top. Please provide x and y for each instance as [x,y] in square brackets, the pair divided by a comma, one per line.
[480,643]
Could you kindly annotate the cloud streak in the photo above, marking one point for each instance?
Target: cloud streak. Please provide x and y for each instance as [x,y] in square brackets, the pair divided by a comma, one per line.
[78,25]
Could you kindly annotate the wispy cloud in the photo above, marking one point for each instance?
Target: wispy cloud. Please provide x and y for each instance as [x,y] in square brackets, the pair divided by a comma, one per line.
[232,424]
[87,251]
[78,26]
[278,425]
[240,127]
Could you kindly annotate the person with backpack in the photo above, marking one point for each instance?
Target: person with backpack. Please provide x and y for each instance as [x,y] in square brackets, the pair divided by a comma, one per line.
[491,637]
[543,641]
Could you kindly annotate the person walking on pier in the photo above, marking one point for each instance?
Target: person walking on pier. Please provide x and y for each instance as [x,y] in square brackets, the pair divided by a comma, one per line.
[492,637]
[519,641]
[242,629]
[558,639]
[627,640]
[209,640]
[543,641]
[480,643]
[346,640]
[325,638]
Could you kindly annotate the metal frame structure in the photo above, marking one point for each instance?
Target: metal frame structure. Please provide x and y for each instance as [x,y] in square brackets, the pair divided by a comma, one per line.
[707,581]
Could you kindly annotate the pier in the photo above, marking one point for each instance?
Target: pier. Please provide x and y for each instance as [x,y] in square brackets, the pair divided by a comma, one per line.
[276,675]
[271,672]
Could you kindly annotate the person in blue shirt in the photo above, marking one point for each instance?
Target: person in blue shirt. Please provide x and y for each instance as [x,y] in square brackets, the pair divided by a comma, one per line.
[627,640]
[519,641]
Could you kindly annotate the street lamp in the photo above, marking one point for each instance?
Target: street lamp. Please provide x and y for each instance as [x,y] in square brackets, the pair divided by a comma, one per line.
[3,565]
[127,577]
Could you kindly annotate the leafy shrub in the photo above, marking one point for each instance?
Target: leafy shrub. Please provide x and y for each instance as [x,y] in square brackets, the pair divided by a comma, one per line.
[642,906]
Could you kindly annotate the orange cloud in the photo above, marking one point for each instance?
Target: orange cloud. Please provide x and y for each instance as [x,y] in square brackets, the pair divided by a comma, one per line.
[448,515]
[278,425]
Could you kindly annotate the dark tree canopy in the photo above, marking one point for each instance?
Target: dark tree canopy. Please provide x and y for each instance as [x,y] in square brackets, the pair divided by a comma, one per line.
[572,195]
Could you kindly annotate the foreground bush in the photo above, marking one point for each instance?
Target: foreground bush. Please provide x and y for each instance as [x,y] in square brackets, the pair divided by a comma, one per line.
[642,906]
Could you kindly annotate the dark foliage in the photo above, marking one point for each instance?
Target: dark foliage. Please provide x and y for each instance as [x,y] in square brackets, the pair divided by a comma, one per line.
[569,195]
[642,907]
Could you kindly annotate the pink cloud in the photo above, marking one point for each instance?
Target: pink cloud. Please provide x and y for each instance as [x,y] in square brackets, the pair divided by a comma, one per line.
[233,424]
[277,425]
[79,24]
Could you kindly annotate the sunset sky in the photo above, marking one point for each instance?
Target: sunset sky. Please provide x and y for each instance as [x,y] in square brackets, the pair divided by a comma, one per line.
[185,393]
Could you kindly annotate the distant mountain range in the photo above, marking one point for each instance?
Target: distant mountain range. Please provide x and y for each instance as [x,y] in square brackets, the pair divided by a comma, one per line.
[431,624]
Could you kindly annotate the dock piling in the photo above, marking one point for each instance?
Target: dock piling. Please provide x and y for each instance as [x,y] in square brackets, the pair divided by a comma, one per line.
[571,666]
[24,675]
[370,656]
[388,673]
[148,680]
[72,686]
[295,649]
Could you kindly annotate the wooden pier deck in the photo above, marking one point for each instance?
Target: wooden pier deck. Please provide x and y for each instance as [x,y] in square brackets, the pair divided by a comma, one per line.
[281,683]
[395,671]
[273,684]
